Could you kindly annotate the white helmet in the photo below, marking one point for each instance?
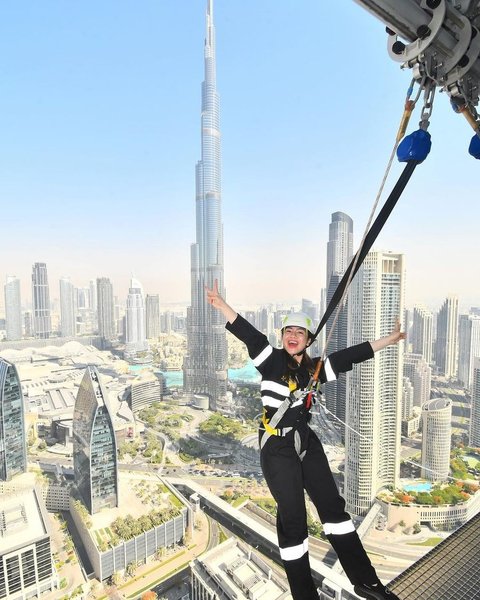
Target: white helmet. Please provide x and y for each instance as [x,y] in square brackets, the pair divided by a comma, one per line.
[298,319]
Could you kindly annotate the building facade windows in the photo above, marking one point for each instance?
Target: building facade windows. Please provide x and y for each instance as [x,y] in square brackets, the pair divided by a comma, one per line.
[94,446]
[13,458]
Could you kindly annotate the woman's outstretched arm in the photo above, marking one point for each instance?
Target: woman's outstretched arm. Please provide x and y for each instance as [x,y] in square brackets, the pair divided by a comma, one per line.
[388,340]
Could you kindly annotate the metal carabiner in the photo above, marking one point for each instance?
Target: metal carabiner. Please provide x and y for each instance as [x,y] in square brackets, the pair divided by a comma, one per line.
[427,108]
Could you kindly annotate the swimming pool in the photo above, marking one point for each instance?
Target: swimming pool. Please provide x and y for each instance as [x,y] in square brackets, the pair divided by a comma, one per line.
[421,486]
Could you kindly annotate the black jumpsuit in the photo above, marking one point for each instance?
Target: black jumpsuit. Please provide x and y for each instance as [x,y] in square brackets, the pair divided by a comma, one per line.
[287,475]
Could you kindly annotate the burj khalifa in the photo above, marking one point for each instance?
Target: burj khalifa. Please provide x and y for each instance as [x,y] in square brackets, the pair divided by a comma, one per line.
[205,364]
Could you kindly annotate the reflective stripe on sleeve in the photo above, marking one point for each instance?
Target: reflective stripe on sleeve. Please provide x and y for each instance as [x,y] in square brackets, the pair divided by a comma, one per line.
[269,401]
[339,528]
[264,354]
[273,386]
[329,372]
[294,552]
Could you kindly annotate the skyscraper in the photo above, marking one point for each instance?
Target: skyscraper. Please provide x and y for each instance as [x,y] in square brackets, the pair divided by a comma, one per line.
[374,388]
[475,412]
[27,317]
[419,373]
[41,301]
[92,296]
[205,364]
[13,447]
[135,334]
[13,308]
[436,438]
[152,316]
[422,333]
[312,310]
[340,244]
[339,254]
[468,347]
[407,399]
[446,345]
[94,445]
[106,319]
[67,308]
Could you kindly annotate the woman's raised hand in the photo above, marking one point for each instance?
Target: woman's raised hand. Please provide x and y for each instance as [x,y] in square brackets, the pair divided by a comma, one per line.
[396,334]
[215,300]
[213,297]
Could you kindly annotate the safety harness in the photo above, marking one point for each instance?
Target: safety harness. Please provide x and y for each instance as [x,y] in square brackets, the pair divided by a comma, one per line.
[309,396]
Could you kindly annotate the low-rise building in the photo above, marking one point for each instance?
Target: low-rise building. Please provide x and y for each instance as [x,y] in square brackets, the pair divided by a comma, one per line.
[26,566]
[146,389]
[439,516]
[233,570]
[108,553]
[411,425]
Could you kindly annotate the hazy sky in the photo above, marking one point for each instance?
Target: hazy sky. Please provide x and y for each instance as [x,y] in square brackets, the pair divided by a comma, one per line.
[100,132]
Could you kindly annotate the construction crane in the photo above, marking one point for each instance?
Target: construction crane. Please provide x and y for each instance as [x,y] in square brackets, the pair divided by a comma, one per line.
[439,40]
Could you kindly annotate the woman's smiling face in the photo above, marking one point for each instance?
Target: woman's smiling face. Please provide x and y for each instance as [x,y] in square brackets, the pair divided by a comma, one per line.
[294,339]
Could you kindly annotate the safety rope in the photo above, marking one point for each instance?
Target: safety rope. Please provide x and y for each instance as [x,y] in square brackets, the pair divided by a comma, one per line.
[370,238]
[341,302]
[371,232]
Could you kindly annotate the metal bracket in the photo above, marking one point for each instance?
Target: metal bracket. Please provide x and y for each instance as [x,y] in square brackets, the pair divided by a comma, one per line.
[472,54]
[413,50]
[462,28]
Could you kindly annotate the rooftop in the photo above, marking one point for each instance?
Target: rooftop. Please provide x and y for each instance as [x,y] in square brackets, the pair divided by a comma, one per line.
[21,520]
[234,571]
[436,404]
[138,496]
[448,572]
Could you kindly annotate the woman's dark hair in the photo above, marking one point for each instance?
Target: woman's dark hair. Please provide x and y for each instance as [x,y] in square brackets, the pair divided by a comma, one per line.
[293,365]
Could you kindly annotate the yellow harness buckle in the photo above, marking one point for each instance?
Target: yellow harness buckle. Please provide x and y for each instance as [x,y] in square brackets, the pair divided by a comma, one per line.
[268,428]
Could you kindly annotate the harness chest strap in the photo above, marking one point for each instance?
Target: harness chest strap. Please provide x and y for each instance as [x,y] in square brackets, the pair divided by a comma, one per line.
[270,427]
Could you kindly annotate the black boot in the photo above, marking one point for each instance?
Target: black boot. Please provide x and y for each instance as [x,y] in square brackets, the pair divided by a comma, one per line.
[374,591]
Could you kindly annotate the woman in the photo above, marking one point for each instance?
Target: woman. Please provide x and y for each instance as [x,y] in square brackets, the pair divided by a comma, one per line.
[292,456]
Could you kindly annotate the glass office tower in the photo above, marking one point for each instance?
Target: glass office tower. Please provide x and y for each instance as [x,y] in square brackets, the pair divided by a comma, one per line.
[94,445]
[41,301]
[13,449]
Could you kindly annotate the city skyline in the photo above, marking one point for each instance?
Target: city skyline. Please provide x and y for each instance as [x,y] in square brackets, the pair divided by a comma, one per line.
[87,140]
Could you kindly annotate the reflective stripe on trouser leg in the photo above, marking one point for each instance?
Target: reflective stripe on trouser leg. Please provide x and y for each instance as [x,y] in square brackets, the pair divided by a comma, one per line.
[294,552]
[339,528]
[299,577]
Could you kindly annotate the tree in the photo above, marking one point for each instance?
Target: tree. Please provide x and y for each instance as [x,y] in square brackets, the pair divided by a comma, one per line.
[149,595]
[115,578]
[131,568]
[145,522]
